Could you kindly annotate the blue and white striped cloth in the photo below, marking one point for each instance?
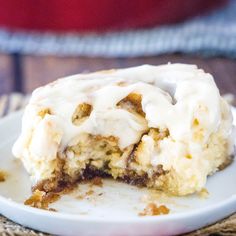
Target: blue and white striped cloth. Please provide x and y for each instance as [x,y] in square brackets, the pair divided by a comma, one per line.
[214,34]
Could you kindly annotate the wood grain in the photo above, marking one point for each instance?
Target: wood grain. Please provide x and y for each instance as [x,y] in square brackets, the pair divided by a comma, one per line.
[40,70]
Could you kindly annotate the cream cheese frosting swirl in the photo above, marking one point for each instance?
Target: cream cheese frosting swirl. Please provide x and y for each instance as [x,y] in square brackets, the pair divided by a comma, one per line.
[174,96]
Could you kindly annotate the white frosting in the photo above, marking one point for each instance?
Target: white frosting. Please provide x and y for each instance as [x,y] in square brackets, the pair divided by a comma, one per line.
[173,96]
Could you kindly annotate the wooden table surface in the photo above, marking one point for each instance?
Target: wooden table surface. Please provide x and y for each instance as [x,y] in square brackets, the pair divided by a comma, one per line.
[25,73]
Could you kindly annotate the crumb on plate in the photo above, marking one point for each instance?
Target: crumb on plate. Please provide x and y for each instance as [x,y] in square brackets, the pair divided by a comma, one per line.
[41,199]
[203,193]
[3,175]
[82,196]
[90,192]
[97,181]
[52,209]
[153,210]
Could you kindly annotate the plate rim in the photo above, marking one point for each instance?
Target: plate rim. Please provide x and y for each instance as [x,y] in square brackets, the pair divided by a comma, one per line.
[76,217]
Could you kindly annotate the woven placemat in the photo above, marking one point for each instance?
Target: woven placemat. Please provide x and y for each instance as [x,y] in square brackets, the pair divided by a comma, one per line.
[10,103]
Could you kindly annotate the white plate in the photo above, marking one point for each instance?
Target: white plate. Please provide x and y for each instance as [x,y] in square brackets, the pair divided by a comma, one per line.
[115,212]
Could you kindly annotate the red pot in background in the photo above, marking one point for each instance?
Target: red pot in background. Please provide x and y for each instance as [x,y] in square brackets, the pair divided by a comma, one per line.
[98,15]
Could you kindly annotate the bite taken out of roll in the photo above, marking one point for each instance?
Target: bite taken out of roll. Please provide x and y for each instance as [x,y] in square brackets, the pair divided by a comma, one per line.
[164,127]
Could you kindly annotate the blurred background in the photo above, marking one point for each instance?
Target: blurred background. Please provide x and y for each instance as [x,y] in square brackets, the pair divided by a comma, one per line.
[41,40]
